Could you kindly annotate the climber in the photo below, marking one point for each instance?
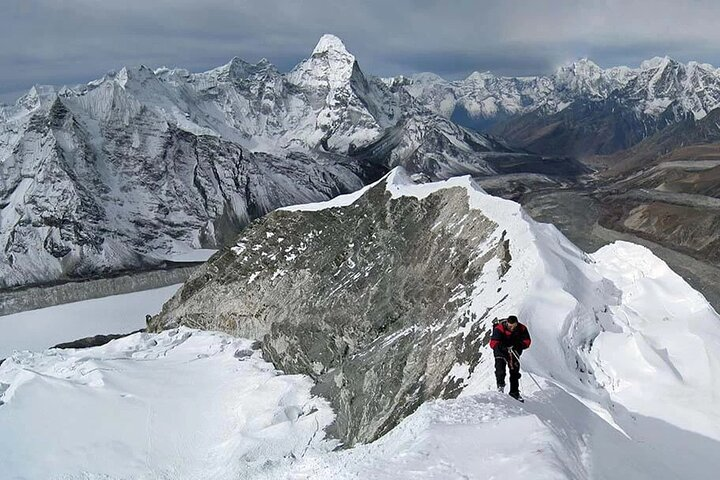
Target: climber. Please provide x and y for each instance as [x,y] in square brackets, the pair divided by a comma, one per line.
[509,338]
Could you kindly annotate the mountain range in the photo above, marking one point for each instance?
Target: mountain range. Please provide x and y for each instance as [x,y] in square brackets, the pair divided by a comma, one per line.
[132,169]
[142,165]
[580,109]
[347,335]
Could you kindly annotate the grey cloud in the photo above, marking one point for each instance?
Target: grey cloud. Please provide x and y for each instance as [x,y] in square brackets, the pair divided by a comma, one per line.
[72,41]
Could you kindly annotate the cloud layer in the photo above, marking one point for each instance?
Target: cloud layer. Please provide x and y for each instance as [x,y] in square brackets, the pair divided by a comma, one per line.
[70,41]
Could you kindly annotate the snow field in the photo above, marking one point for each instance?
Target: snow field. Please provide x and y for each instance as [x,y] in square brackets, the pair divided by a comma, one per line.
[45,327]
[180,404]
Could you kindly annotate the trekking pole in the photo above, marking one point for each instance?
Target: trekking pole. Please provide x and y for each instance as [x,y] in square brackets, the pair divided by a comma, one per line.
[531,375]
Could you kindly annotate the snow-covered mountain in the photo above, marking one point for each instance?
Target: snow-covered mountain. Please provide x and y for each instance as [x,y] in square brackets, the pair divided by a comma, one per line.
[536,112]
[140,164]
[384,300]
[652,87]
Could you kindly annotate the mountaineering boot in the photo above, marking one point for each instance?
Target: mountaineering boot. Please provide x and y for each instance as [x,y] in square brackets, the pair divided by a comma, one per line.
[517,396]
[501,388]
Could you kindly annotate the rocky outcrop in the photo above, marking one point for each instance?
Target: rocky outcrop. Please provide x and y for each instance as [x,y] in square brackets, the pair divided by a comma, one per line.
[369,298]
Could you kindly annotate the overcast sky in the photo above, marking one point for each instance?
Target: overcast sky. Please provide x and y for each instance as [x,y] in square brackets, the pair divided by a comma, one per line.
[72,41]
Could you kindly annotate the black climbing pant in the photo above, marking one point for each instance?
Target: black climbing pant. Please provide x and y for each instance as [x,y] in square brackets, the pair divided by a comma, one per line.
[501,362]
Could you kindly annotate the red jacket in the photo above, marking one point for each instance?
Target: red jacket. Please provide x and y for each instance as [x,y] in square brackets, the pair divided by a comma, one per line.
[502,338]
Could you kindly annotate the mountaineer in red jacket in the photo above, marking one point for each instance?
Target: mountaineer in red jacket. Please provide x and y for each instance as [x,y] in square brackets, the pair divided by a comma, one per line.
[509,336]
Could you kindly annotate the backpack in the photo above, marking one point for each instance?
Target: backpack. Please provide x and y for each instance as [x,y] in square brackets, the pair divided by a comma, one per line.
[497,321]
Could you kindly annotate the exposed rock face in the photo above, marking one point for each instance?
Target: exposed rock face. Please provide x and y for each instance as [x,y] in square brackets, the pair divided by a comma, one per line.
[369,298]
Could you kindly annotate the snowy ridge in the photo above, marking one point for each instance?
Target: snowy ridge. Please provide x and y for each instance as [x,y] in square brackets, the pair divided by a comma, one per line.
[601,323]
[626,352]
[621,298]
[584,310]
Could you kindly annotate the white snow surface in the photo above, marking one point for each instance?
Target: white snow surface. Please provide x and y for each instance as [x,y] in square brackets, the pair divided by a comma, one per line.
[626,353]
[45,327]
[181,404]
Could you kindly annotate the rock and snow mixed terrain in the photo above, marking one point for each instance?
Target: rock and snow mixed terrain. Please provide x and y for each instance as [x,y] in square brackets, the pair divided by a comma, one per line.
[579,110]
[626,353]
[357,309]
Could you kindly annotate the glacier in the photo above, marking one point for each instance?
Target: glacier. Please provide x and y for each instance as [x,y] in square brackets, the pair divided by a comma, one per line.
[42,328]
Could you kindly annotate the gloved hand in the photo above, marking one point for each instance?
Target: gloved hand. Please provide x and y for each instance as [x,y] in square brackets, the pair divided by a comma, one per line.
[501,351]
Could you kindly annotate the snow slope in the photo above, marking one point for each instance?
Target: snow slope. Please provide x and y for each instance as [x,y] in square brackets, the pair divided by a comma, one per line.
[180,404]
[43,328]
[191,404]
[613,327]
[626,353]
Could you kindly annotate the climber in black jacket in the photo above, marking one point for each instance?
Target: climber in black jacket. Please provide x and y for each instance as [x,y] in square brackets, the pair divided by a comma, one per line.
[509,336]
